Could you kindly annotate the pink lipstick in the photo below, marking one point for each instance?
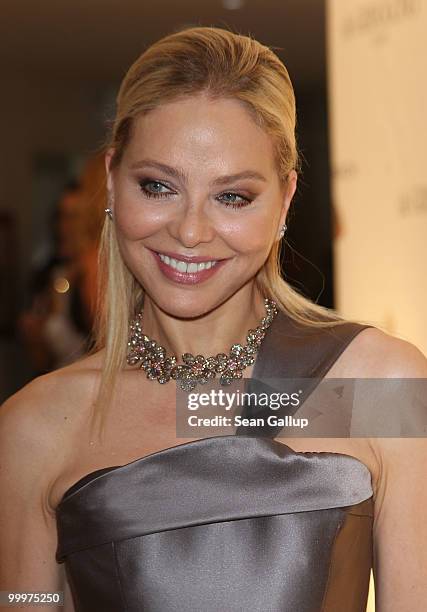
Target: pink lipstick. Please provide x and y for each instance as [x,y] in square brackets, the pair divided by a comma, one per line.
[187,278]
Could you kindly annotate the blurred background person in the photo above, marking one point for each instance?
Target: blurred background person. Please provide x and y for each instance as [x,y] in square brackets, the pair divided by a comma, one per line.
[56,327]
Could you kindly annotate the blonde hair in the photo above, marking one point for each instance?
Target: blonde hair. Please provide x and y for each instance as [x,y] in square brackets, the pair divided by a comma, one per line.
[218,63]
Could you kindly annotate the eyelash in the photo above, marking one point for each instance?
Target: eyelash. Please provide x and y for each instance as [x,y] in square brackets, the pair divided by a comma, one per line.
[149,194]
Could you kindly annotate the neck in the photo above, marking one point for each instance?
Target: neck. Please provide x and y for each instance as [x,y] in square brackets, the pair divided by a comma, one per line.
[207,334]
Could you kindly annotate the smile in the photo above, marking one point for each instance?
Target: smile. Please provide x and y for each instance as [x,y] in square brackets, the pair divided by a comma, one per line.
[187,272]
[187,268]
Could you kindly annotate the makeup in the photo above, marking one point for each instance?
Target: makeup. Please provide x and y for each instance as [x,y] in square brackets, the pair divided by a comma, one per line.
[187,278]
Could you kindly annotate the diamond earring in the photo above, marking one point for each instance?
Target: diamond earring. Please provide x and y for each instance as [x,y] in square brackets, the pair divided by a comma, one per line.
[283,230]
[109,210]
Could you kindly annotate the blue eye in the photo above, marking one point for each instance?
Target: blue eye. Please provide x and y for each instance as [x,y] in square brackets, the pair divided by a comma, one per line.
[234,202]
[155,189]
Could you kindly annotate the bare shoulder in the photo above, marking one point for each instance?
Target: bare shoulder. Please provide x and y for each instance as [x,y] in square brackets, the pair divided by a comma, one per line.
[39,422]
[49,399]
[375,353]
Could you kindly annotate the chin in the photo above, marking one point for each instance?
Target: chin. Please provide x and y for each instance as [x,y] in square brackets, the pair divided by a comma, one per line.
[186,307]
[189,309]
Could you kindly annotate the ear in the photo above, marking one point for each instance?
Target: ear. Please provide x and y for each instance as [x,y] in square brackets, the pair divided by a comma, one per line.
[108,157]
[288,194]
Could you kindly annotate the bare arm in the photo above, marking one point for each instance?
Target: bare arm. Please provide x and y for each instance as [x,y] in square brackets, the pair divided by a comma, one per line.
[400,527]
[29,460]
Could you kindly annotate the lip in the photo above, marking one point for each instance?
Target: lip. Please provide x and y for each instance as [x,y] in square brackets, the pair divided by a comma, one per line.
[187,258]
[190,278]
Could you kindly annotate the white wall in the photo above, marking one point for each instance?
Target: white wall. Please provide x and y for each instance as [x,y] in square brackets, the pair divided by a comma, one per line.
[377,53]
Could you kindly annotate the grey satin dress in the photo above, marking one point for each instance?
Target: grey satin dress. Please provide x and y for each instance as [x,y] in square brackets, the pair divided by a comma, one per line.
[228,523]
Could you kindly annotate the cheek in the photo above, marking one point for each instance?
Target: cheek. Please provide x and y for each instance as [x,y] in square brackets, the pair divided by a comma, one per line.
[136,221]
[252,233]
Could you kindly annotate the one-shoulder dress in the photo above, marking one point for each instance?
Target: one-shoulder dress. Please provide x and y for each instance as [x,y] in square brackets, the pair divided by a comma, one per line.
[234,523]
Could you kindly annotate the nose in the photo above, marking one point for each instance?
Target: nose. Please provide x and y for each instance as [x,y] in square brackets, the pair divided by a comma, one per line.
[193,225]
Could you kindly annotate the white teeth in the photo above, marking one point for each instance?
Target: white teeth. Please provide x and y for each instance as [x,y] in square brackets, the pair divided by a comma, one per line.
[182,266]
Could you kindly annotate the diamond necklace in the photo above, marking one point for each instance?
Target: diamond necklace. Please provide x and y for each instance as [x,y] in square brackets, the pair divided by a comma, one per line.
[196,369]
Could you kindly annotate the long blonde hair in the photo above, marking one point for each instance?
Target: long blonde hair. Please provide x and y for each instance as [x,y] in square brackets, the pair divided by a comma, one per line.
[219,63]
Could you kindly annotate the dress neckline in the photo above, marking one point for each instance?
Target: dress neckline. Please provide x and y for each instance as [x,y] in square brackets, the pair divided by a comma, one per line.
[106,471]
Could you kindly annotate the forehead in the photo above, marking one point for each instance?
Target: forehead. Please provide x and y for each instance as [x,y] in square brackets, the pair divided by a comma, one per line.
[204,134]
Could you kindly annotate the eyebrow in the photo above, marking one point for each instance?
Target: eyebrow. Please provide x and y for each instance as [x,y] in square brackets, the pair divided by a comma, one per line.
[181,176]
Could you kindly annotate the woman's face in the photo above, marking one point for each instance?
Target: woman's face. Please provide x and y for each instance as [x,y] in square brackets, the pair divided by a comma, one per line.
[197,179]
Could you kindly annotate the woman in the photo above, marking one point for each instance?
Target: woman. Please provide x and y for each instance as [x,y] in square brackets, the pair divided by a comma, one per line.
[201,168]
